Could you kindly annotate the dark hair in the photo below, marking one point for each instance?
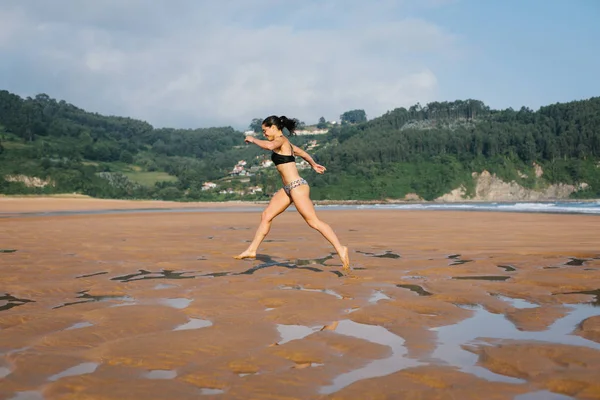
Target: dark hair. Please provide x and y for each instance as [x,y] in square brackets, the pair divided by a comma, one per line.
[281,123]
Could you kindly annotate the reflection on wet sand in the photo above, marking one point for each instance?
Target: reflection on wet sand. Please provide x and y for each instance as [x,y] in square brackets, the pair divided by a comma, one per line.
[12,301]
[88,298]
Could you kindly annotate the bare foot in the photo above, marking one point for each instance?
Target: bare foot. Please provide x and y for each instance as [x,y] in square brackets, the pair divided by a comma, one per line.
[345,258]
[246,254]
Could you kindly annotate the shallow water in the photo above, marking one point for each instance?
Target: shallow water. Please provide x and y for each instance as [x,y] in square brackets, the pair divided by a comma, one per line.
[210,391]
[543,395]
[194,323]
[178,303]
[79,325]
[484,324]
[81,369]
[507,268]
[378,295]
[28,395]
[143,275]
[595,292]
[415,288]
[326,291]
[88,298]
[160,374]
[295,332]
[12,301]
[483,277]
[376,334]
[517,303]
[386,254]
[4,371]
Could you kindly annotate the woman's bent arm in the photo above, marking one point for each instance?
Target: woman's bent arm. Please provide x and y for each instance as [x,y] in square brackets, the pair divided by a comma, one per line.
[301,153]
[265,144]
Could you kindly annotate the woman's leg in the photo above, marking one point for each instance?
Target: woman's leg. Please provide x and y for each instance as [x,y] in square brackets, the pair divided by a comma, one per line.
[301,197]
[279,202]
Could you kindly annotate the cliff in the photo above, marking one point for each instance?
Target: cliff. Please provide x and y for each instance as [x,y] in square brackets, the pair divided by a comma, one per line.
[489,187]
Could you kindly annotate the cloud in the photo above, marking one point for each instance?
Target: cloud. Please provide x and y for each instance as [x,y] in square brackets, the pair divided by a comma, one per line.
[206,63]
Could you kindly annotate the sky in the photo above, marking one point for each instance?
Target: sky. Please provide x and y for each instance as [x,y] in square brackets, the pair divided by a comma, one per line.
[204,63]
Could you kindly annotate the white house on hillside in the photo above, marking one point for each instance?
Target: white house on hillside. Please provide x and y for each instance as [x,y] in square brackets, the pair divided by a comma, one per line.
[208,185]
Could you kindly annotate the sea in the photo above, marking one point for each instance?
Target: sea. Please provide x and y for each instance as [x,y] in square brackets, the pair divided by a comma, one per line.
[557,207]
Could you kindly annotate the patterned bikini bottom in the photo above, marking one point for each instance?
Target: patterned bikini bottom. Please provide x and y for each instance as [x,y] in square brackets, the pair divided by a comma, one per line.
[298,182]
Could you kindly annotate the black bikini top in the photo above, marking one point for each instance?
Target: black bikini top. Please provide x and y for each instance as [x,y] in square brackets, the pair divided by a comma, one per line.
[281,159]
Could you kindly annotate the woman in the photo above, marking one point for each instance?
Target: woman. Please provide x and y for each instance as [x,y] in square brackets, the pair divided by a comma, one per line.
[295,189]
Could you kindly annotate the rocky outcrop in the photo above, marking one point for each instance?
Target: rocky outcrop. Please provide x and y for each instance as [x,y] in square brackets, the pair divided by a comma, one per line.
[412,197]
[489,187]
[29,181]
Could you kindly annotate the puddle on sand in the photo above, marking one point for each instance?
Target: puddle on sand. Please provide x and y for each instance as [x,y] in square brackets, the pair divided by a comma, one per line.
[179,303]
[28,395]
[194,323]
[4,372]
[295,332]
[161,286]
[375,334]
[81,369]
[415,288]
[12,301]
[576,262]
[88,298]
[143,275]
[90,275]
[378,295]
[217,274]
[459,262]
[516,303]
[210,391]
[543,395]
[79,325]
[596,292]
[387,254]
[484,324]
[326,291]
[243,374]
[507,268]
[308,261]
[483,277]
[275,264]
[160,374]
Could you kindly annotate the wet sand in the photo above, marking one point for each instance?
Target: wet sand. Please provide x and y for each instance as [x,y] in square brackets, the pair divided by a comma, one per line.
[440,305]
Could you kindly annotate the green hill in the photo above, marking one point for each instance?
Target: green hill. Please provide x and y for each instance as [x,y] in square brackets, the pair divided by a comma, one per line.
[49,146]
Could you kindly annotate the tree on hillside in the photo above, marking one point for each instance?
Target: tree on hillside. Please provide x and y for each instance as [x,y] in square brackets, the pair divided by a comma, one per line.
[322,123]
[256,125]
[353,117]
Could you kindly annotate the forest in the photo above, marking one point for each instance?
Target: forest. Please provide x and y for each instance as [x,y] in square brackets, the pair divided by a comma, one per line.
[48,146]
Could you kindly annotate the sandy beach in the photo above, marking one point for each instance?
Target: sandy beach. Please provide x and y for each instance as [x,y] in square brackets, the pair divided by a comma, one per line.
[439,304]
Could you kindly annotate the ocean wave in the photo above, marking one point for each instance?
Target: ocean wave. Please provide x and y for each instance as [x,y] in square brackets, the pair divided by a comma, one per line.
[528,207]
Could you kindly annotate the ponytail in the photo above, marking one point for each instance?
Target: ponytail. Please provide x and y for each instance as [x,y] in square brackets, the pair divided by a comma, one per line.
[281,123]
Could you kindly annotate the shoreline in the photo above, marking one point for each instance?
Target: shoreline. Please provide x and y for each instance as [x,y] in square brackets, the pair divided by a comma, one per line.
[34,205]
